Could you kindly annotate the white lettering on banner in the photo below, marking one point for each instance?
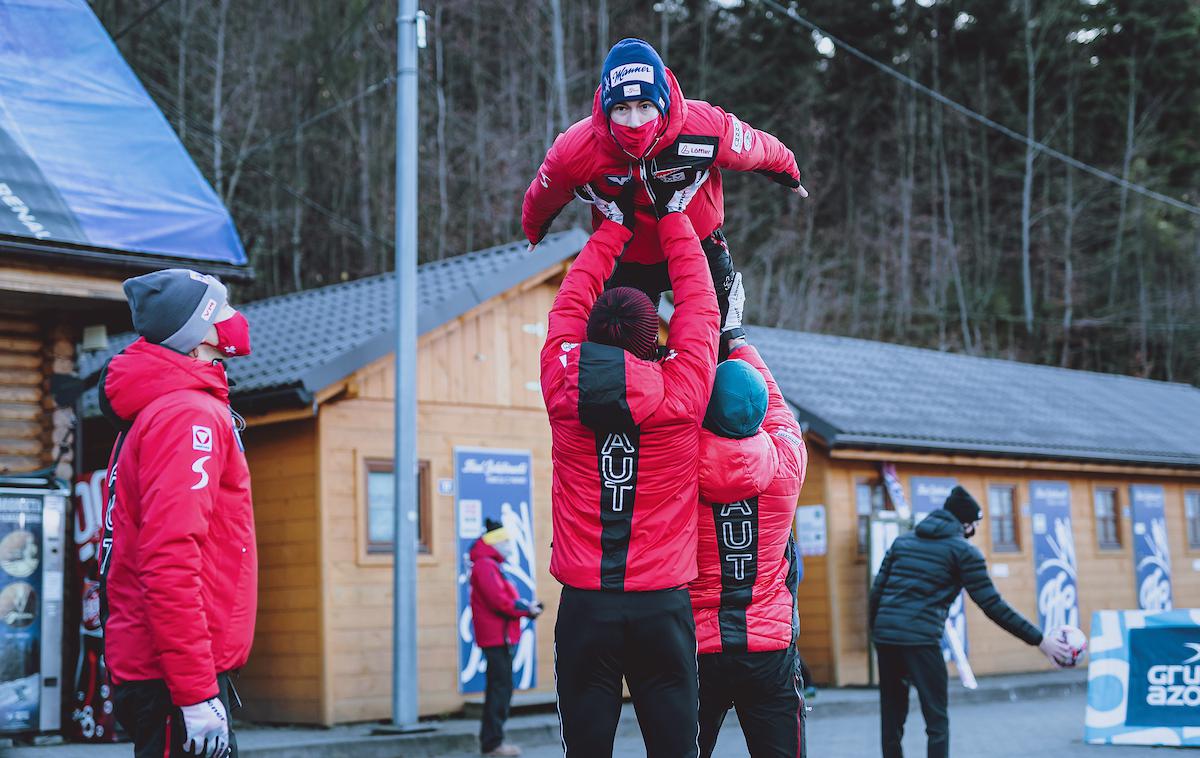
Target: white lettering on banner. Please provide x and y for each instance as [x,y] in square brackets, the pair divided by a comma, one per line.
[694,150]
[632,89]
[617,449]
[24,215]
[1154,592]
[637,72]
[198,467]
[737,134]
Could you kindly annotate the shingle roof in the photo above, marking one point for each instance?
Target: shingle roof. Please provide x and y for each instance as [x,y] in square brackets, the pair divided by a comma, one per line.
[308,340]
[858,393]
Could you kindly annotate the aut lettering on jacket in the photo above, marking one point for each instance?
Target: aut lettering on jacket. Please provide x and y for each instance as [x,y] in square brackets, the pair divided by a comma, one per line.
[736,527]
[617,469]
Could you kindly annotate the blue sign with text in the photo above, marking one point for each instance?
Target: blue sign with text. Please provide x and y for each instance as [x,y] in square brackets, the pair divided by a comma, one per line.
[497,485]
[1054,554]
[1151,554]
[1164,677]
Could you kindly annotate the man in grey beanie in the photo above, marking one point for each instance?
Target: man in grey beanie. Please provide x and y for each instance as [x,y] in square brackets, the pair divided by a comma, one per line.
[178,563]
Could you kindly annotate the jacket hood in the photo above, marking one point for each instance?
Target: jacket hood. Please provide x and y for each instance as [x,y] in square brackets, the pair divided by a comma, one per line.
[676,117]
[939,525]
[735,469]
[481,550]
[144,372]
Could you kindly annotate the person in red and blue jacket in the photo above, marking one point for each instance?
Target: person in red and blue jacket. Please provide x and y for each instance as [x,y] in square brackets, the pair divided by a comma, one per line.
[752,466]
[625,432]
[496,613]
[178,561]
[642,126]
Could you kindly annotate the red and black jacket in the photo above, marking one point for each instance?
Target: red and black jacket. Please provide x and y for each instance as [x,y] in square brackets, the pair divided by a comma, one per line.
[496,608]
[179,564]
[744,596]
[697,135]
[626,432]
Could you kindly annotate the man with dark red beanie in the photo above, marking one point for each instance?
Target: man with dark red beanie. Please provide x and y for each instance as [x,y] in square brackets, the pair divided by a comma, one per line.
[625,420]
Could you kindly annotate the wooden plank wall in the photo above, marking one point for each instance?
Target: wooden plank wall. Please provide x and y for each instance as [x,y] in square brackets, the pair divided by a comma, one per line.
[283,680]
[813,599]
[478,386]
[27,352]
[1106,577]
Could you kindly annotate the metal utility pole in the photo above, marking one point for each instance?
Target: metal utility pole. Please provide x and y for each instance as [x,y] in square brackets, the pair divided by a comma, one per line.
[404,611]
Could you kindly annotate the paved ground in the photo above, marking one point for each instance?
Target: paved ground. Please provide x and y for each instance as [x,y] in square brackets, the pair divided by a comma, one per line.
[1038,728]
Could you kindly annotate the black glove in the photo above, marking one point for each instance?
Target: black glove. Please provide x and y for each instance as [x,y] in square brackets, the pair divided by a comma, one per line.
[780,177]
[672,193]
[619,209]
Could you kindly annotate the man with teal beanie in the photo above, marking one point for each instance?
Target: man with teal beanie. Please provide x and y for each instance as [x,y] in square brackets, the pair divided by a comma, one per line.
[752,464]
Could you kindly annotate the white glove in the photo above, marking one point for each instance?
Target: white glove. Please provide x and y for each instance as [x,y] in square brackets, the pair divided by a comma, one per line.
[618,210]
[206,729]
[670,196]
[1055,650]
[737,304]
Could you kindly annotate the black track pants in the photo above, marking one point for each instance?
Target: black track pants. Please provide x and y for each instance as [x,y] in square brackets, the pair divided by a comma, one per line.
[145,711]
[497,697]
[649,638]
[764,688]
[652,278]
[923,667]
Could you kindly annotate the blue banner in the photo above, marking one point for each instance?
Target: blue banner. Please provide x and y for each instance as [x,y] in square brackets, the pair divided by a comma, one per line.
[20,619]
[85,155]
[1054,554]
[1144,678]
[929,493]
[497,485]
[1151,554]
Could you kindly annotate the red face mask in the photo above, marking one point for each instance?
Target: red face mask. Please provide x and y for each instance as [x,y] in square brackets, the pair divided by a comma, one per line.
[636,140]
[233,335]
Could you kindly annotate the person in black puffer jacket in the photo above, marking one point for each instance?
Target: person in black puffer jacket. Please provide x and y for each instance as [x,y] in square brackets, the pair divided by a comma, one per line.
[921,575]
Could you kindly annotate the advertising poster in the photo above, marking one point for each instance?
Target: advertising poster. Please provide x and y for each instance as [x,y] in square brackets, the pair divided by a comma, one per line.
[91,706]
[497,485]
[20,625]
[1054,554]
[1144,678]
[929,493]
[1151,555]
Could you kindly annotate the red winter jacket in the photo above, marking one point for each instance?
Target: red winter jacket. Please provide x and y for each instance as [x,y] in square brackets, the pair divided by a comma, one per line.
[697,134]
[179,564]
[626,432]
[496,608]
[748,490]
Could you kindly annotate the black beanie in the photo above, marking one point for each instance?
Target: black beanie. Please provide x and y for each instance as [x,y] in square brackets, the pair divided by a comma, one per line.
[175,307]
[624,317]
[963,506]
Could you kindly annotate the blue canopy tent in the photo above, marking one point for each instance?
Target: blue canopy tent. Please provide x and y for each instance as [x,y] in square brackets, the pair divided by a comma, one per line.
[88,165]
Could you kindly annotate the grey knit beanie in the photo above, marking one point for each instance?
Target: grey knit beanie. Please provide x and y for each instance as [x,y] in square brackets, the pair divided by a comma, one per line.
[175,307]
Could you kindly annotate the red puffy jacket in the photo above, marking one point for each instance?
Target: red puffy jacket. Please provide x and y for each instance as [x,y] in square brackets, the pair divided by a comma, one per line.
[179,564]
[741,599]
[626,432]
[496,608]
[697,134]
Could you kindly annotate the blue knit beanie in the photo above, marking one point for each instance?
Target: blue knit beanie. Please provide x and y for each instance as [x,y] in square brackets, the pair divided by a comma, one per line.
[738,403]
[633,71]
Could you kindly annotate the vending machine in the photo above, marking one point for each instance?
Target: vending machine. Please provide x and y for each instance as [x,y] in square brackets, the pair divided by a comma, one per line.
[33,513]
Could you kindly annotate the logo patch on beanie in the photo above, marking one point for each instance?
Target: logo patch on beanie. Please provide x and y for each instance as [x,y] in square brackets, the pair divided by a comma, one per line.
[635,72]
[209,308]
[632,90]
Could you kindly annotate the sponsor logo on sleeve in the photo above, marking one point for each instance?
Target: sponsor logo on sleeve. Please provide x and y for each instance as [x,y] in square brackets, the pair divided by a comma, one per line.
[632,90]
[202,439]
[737,135]
[748,138]
[545,179]
[198,467]
[631,72]
[693,150]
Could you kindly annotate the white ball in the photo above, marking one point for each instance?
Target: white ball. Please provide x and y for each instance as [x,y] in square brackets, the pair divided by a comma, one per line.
[1075,640]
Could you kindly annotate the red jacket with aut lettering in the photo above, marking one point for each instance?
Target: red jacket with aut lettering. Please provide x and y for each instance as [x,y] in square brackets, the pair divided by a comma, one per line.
[626,432]
[179,567]
[743,598]
[697,134]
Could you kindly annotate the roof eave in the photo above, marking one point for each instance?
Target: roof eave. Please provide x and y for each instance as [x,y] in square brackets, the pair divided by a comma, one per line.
[67,252]
[839,441]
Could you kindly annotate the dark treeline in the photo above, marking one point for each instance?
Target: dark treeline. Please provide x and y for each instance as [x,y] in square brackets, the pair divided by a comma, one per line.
[923,227]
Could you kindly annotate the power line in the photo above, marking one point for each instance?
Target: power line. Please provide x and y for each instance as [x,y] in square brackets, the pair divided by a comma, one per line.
[301,126]
[141,17]
[964,110]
